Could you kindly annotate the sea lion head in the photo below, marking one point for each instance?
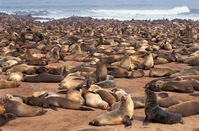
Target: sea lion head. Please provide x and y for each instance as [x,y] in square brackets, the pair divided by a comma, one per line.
[10,116]
[159,83]
[150,94]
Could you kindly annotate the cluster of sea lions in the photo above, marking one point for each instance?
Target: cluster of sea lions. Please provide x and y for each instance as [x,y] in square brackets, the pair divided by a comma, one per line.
[85,55]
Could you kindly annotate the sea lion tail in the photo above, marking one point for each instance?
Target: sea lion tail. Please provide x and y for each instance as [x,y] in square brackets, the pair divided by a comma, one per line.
[84,108]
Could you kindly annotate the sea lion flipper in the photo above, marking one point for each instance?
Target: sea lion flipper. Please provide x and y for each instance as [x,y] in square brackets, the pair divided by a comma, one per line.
[53,107]
[84,108]
[145,122]
[127,121]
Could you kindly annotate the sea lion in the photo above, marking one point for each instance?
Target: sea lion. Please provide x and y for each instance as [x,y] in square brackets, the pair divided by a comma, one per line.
[121,115]
[101,72]
[186,108]
[176,99]
[64,103]
[137,73]
[47,94]
[126,62]
[71,81]
[118,72]
[16,76]
[5,118]
[106,83]
[94,100]
[44,77]
[107,96]
[13,98]
[4,84]
[154,113]
[161,72]
[22,110]
[75,95]
[148,62]
[186,86]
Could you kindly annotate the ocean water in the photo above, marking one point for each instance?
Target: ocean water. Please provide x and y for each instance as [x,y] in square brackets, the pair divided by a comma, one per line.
[116,9]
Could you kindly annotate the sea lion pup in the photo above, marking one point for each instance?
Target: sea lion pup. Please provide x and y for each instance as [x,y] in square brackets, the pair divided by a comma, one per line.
[4,84]
[176,99]
[148,62]
[22,110]
[186,108]
[5,118]
[101,72]
[187,77]
[106,84]
[161,72]
[121,115]
[186,86]
[154,113]
[44,77]
[137,73]
[16,76]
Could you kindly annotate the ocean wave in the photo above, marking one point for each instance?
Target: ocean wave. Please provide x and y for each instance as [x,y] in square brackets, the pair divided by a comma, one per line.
[173,11]
[32,12]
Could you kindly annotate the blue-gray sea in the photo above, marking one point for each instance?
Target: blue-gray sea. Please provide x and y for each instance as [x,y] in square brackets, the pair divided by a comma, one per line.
[116,9]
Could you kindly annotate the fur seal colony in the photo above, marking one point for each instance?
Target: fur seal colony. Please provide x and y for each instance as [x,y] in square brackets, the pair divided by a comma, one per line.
[101,67]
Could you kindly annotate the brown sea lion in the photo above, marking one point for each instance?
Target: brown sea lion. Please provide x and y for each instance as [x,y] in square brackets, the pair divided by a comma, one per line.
[13,98]
[71,81]
[16,76]
[186,108]
[5,118]
[44,77]
[101,72]
[118,72]
[24,68]
[75,95]
[121,115]
[22,110]
[137,73]
[161,72]
[148,62]
[126,62]
[47,94]
[155,114]
[4,84]
[176,99]
[107,96]
[64,103]
[186,86]
[94,100]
